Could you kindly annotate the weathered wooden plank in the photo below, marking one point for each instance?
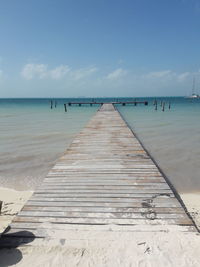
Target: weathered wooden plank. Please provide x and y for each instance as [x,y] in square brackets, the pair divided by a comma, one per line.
[130,182]
[137,176]
[106,179]
[152,215]
[172,210]
[58,194]
[179,221]
[119,167]
[102,199]
[108,161]
[108,171]
[144,203]
[58,190]
[143,181]
[102,183]
[109,187]
[136,183]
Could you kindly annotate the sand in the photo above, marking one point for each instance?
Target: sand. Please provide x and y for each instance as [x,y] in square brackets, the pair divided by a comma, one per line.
[103,248]
[13,201]
[113,249]
[192,202]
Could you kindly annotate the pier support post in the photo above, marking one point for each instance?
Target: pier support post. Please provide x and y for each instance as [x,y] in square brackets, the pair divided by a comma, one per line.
[163,107]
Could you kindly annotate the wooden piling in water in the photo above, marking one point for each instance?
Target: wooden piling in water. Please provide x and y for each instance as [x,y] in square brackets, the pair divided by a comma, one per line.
[163,106]
[65,106]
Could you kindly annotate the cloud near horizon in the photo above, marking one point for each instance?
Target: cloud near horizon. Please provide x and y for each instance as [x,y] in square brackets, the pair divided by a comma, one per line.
[116,74]
[93,81]
[41,71]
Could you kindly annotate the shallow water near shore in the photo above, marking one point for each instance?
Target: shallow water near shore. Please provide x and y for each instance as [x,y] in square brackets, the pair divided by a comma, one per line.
[172,137]
[33,137]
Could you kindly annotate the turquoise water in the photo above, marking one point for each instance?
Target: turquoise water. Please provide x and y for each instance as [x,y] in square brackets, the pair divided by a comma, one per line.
[172,137]
[33,137]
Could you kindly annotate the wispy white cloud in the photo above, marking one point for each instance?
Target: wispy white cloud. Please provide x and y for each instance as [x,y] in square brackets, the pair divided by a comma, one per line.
[59,72]
[167,75]
[118,81]
[183,76]
[83,73]
[41,71]
[159,74]
[31,71]
[116,74]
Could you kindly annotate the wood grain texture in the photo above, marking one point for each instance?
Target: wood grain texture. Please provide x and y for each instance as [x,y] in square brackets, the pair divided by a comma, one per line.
[105,178]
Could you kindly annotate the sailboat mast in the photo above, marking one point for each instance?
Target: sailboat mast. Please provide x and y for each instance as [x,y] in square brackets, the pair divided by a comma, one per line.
[193,87]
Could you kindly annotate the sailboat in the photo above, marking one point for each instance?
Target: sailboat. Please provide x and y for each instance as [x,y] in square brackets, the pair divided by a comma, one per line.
[193,95]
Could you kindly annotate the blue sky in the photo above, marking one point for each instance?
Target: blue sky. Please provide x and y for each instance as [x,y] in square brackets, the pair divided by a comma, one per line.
[61,48]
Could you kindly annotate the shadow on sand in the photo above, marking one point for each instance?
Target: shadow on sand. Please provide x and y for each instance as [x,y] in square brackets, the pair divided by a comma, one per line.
[9,254]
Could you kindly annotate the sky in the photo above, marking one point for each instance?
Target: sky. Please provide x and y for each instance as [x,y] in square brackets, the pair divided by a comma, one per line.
[98,48]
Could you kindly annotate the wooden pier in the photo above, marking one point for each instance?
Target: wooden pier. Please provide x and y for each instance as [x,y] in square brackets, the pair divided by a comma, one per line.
[105,179]
[123,103]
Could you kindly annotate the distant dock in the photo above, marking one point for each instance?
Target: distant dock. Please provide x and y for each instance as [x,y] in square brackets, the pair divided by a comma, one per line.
[105,179]
[123,103]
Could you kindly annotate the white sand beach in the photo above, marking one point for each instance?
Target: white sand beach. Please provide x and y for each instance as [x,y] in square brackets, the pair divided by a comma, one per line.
[103,248]
[13,201]
[110,249]
[192,202]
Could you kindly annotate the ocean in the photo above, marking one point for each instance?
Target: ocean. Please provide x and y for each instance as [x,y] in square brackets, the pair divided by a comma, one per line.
[33,136]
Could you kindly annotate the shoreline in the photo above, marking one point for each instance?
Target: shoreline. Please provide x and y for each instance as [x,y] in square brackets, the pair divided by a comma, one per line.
[192,203]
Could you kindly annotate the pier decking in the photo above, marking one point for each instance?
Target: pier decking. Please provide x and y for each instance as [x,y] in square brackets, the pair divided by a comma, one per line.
[105,179]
